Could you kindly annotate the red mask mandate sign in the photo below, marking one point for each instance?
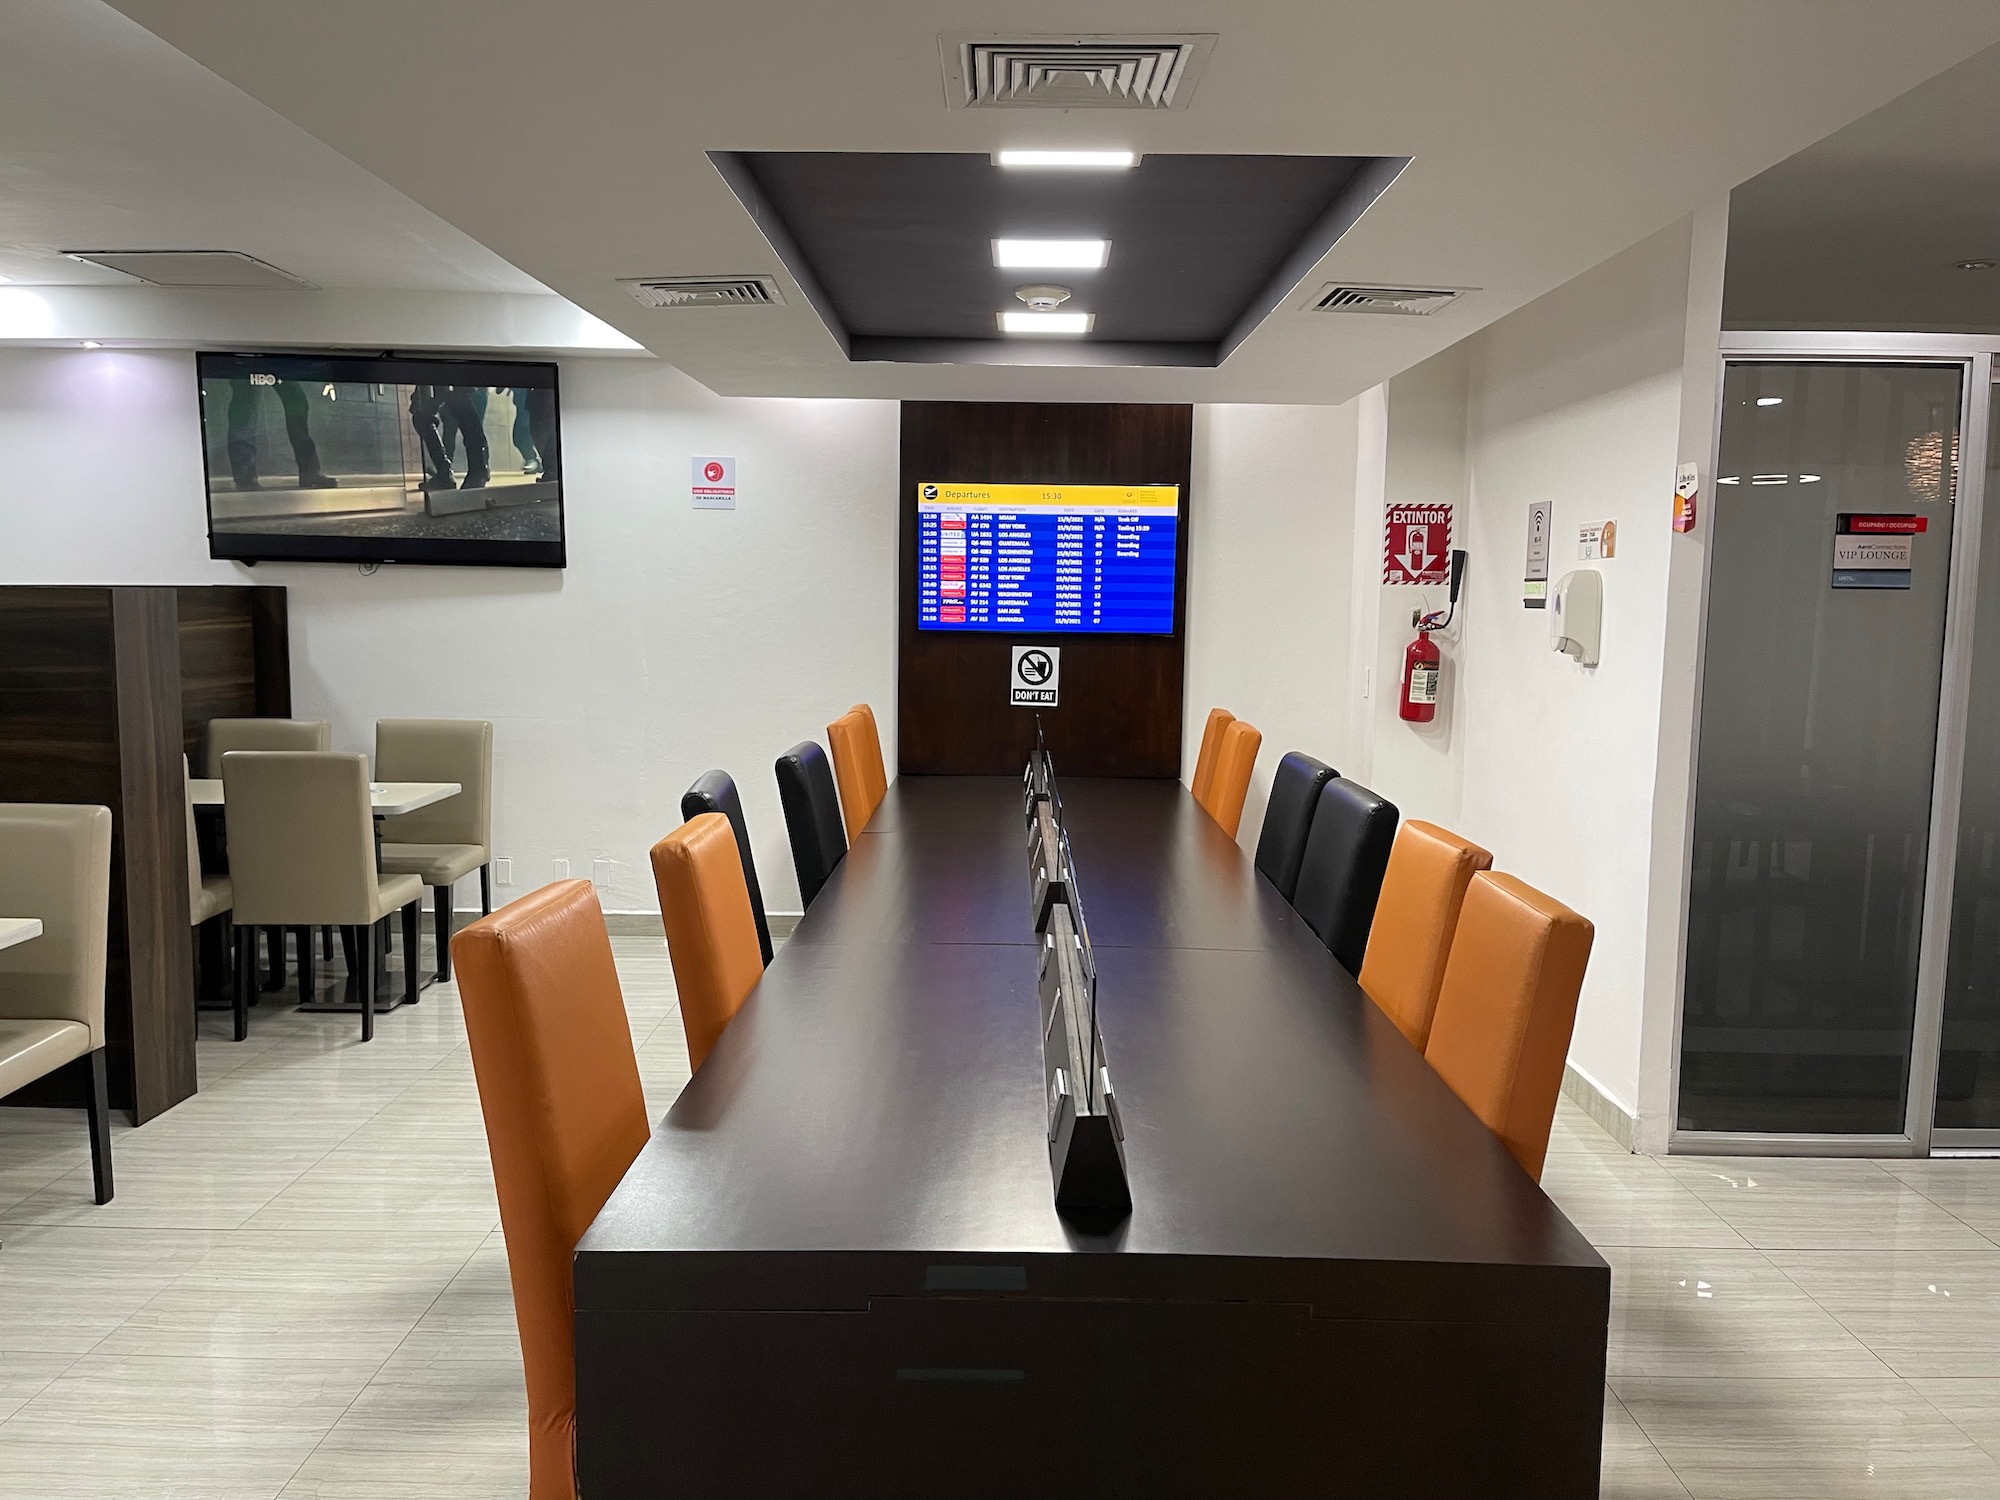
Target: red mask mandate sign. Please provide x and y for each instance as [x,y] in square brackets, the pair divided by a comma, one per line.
[1416,544]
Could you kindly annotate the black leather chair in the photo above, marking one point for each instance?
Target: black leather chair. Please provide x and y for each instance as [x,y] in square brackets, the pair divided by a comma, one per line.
[715,792]
[1295,787]
[1347,849]
[812,816]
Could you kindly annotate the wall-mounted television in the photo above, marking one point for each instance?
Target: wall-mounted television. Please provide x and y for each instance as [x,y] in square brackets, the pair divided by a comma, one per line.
[353,458]
[1085,558]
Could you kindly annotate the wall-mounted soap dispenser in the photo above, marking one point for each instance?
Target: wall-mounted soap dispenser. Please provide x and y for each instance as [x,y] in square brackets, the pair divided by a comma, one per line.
[1576,614]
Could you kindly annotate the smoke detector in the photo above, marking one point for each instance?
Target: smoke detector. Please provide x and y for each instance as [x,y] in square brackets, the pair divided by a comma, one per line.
[1043,298]
[1403,301]
[1072,72]
[705,291]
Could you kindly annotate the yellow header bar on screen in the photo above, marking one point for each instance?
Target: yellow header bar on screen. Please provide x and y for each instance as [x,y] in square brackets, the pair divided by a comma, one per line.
[1052,496]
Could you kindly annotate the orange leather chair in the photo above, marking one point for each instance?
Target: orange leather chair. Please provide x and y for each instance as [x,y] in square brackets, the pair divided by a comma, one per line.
[1410,938]
[857,766]
[711,932]
[1235,758]
[565,1116]
[1219,719]
[1507,1007]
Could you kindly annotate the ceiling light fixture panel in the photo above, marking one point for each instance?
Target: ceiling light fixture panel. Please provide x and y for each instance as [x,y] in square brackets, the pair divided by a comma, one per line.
[1059,323]
[1065,161]
[1052,255]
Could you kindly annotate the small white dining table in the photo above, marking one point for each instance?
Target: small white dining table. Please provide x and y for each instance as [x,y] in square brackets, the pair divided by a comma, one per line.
[386,799]
[18,930]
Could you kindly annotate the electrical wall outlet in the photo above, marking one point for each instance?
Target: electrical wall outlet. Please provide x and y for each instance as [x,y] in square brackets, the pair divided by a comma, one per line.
[600,874]
[503,872]
[562,869]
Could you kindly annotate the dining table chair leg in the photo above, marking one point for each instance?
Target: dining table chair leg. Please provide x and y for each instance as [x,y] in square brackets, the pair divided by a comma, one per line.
[100,1127]
[326,945]
[364,948]
[305,965]
[486,890]
[413,915]
[274,945]
[441,909]
[246,978]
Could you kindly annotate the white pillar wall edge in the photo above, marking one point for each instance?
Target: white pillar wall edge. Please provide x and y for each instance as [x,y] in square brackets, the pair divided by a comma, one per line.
[1687,589]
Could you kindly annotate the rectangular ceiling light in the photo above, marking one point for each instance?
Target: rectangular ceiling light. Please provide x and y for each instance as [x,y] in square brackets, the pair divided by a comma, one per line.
[1051,255]
[1046,322]
[1089,161]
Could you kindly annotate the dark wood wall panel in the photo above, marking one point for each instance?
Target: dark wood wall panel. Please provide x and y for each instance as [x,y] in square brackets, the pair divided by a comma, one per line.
[94,708]
[1120,706]
[152,1036]
[218,663]
[235,659]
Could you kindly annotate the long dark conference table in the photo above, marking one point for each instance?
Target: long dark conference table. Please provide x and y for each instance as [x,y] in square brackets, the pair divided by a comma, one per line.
[837,1269]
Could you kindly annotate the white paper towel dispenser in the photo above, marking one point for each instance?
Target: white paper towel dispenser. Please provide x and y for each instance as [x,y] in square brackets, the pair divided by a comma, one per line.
[1576,614]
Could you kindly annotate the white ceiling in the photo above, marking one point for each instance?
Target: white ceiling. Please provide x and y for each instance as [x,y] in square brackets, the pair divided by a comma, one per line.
[570,140]
[1862,230]
[111,139]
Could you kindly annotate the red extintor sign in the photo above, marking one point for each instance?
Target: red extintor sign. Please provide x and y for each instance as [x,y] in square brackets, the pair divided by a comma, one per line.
[1416,544]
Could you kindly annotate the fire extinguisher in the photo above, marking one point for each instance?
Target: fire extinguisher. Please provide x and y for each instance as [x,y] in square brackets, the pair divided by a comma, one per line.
[1422,666]
[1423,663]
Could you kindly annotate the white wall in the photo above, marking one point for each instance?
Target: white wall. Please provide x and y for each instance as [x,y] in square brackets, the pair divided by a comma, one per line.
[1269,628]
[1419,767]
[1577,778]
[676,640]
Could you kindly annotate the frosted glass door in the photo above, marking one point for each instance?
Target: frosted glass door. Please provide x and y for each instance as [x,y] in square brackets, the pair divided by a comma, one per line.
[1819,715]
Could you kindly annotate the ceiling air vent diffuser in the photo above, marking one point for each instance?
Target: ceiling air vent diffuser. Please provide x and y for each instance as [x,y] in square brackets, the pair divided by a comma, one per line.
[1404,301]
[1072,72]
[707,291]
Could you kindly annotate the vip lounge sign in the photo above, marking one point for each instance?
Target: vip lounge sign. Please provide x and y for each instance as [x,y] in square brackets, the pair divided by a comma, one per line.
[1416,544]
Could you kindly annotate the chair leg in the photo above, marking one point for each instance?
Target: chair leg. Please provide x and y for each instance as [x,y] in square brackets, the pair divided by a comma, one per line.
[100,1127]
[413,916]
[364,952]
[274,942]
[305,965]
[441,912]
[486,890]
[326,945]
[246,978]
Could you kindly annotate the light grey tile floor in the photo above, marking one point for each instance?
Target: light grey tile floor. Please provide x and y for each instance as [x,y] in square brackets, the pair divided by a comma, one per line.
[301,1291]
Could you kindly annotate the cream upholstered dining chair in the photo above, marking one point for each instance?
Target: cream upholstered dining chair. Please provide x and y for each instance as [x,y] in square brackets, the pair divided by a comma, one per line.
[445,842]
[55,865]
[208,895]
[302,854]
[225,735]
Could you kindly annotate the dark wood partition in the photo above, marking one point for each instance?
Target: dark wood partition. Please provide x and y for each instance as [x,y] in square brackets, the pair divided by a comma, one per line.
[101,692]
[1119,712]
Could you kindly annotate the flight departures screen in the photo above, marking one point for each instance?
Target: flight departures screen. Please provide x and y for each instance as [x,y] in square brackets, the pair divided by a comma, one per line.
[1047,557]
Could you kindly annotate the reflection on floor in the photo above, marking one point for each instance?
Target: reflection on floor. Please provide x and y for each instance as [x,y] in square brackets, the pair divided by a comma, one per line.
[301,1290]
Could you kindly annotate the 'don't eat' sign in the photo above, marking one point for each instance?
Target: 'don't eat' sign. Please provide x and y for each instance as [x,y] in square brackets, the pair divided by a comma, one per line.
[1416,544]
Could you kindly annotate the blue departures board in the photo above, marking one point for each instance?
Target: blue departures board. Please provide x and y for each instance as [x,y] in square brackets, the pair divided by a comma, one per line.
[1047,557]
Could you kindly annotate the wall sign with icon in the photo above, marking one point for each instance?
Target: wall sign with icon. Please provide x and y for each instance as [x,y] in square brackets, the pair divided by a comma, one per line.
[1034,676]
[713,485]
[1416,543]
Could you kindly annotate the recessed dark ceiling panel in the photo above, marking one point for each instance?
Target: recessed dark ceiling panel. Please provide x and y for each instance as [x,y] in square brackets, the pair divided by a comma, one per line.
[897,248]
